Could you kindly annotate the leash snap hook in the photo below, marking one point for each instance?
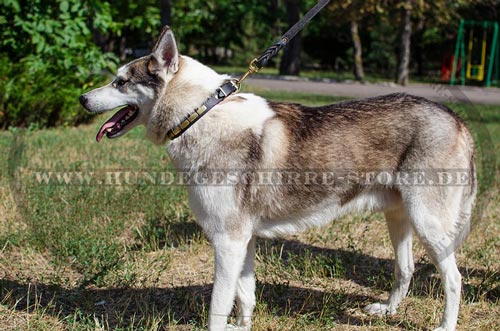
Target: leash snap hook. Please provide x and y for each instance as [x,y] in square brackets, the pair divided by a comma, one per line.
[252,68]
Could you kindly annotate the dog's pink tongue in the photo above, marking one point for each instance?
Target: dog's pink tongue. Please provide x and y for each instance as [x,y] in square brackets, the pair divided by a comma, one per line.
[111,122]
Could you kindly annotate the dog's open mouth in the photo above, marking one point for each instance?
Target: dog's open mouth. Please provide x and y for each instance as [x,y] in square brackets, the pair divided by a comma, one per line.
[115,125]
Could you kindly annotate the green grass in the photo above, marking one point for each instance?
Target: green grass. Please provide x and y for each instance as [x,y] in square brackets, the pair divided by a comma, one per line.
[130,257]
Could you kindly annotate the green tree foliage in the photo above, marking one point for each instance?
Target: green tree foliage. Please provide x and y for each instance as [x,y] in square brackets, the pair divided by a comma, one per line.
[47,56]
[123,24]
[207,28]
[52,50]
[352,12]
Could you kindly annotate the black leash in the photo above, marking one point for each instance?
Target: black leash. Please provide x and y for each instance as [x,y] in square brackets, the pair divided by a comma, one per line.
[233,85]
[290,34]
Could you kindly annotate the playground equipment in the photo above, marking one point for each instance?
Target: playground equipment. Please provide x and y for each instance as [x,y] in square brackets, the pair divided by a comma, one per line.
[478,66]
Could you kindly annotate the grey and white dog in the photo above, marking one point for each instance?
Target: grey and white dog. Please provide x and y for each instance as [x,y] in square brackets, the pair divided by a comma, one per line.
[394,135]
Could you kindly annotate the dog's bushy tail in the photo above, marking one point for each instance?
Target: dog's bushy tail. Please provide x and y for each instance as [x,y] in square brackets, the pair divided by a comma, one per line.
[469,193]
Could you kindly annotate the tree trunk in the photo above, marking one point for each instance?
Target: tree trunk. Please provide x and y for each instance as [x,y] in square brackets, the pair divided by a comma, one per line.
[404,61]
[290,62]
[419,47]
[165,12]
[358,51]
[122,47]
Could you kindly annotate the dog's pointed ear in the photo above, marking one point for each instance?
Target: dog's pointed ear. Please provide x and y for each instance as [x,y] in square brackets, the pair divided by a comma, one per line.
[165,53]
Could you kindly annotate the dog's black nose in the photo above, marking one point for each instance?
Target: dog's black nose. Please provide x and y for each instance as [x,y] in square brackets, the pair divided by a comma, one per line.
[83,100]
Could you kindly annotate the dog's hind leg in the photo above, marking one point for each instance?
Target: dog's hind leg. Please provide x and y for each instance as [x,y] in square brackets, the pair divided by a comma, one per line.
[452,282]
[245,293]
[433,223]
[400,232]
[230,254]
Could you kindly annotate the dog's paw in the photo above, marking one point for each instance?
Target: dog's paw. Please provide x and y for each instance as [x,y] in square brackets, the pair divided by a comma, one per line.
[442,329]
[380,309]
[232,327]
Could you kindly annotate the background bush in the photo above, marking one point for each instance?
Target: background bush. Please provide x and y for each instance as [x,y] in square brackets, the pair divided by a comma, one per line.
[47,58]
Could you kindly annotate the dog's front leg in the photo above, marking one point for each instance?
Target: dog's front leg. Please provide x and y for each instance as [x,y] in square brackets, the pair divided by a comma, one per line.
[245,294]
[229,257]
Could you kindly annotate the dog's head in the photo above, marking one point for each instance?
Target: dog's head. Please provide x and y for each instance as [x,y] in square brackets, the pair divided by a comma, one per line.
[136,88]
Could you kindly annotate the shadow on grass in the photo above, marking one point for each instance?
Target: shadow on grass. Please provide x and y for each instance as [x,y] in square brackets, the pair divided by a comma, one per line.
[378,273]
[122,307]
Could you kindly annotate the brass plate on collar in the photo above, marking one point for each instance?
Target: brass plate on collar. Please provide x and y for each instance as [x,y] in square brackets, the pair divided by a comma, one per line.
[193,117]
[201,110]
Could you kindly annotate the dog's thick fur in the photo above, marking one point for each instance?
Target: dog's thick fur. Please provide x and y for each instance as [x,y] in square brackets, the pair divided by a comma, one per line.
[388,133]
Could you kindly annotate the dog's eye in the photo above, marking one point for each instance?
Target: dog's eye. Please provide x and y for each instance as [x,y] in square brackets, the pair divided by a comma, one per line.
[119,82]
